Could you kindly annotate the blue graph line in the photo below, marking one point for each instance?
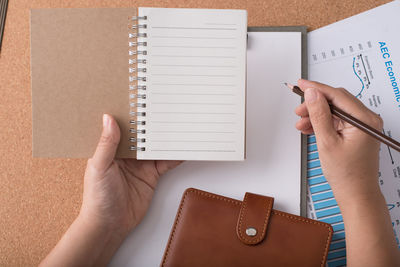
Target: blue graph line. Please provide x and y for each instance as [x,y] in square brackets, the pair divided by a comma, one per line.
[362,83]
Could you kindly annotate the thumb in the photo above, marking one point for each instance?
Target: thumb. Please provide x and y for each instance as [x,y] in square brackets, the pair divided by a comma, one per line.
[320,116]
[108,144]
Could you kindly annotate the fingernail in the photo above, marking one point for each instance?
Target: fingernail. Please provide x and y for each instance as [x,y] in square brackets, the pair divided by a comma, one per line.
[310,95]
[106,120]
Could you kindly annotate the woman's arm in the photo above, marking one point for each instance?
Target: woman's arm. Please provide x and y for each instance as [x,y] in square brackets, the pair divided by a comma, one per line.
[116,195]
[350,162]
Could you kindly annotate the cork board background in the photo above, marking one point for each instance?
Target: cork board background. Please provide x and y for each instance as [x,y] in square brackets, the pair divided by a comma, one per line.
[39,198]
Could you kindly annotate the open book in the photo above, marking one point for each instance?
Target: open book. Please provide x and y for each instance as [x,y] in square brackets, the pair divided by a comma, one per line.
[173,78]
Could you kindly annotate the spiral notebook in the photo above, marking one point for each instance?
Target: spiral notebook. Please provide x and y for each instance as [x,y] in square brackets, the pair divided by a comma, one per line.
[173,78]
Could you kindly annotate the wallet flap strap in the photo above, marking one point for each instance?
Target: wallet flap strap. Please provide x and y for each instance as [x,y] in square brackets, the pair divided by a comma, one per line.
[253,218]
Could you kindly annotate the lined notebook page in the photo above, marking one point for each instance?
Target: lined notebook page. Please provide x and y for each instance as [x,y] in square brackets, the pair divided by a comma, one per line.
[195,97]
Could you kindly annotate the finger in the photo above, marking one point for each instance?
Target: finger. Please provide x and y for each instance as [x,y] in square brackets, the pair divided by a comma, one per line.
[165,165]
[303,124]
[308,131]
[301,110]
[320,116]
[108,143]
[342,99]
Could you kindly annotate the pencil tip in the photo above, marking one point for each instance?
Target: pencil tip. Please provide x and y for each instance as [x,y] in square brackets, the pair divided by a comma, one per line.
[288,85]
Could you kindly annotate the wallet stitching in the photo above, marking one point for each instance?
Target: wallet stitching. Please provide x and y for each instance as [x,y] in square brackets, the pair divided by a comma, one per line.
[174,229]
[237,202]
[268,211]
[312,222]
[177,221]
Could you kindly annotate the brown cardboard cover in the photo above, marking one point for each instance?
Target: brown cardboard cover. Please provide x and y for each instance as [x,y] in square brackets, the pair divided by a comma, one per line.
[79,67]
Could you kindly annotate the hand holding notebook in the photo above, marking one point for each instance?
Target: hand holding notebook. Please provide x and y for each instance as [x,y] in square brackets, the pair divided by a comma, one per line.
[173,78]
[116,196]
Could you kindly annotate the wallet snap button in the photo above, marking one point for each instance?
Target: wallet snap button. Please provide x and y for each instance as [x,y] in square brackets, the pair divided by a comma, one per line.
[251,231]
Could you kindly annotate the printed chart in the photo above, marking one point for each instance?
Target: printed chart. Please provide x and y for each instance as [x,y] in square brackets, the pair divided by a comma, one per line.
[358,68]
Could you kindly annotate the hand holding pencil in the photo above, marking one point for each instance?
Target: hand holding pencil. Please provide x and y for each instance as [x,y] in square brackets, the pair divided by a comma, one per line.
[350,162]
[344,150]
[376,133]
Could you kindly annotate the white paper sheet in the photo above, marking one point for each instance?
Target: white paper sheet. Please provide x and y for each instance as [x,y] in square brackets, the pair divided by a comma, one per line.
[272,166]
[362,54]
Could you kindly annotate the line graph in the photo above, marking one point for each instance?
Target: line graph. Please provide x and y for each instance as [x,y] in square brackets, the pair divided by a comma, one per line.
[356,63]
[390,152]
[362,83]
[360,71]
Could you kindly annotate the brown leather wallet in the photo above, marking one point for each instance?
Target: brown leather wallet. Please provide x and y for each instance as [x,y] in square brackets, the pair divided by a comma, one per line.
[212,230]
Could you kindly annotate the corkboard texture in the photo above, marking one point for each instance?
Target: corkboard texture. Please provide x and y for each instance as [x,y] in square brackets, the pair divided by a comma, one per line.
[39,198]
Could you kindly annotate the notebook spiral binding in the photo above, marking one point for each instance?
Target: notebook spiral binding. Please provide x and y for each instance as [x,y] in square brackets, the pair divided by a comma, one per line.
[137,81]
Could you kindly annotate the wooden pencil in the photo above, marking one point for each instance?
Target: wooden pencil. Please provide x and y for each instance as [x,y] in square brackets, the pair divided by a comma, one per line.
[3,14]
[355,122]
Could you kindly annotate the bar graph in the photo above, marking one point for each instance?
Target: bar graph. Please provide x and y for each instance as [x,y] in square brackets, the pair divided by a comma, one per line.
[323,206]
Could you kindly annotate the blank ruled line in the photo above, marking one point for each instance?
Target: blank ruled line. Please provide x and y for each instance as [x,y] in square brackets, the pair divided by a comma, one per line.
[194,84]
[192,150]
[174,56]
[191,75]
[192,103]
[226,24]
[217,132]
[193,28]
[197,66]
[192,37]
[194,113]
[192,141]
[188,46]
[156,93]
[193,122]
